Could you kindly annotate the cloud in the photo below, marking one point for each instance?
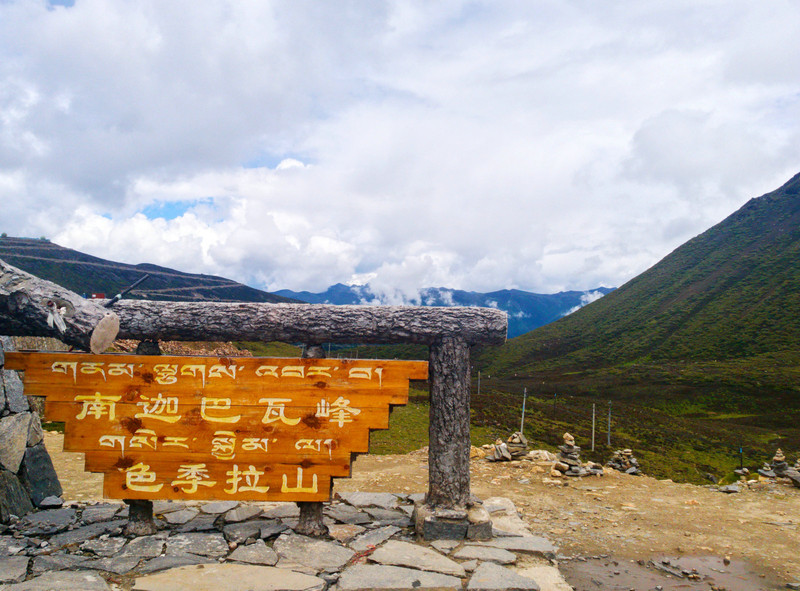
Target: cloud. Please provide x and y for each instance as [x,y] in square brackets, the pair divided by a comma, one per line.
[471,145]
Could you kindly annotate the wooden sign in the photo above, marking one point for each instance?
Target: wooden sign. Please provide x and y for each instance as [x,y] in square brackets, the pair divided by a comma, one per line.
[243,428]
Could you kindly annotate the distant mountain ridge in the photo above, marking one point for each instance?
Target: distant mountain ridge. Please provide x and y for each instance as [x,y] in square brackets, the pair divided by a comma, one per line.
[87,274]
[525,310]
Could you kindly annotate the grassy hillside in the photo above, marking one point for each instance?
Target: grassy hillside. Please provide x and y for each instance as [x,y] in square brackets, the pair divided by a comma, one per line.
[709,335]
[85,274]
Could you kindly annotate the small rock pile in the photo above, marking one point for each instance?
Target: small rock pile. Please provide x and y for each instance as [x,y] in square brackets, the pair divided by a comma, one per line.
[779,468]
[514,448]
[27,477]
[623,460]
[569,463]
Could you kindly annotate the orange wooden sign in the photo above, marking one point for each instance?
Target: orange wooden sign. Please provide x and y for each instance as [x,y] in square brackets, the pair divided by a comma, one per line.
[243,428]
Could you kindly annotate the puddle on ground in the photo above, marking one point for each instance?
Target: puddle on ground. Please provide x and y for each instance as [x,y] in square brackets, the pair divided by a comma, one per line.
[684,573]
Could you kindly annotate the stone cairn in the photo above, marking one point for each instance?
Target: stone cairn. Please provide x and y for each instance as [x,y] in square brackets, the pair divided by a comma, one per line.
[623,460]
[27,477]
[569,463]
[777,468]
[514,448]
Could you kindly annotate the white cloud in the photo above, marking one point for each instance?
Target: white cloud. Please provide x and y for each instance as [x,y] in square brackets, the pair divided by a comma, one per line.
[480,145]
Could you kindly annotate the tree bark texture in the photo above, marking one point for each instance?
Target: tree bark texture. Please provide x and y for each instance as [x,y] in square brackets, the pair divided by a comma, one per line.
[306,323]
[449,443]
[26,302]
[311,518]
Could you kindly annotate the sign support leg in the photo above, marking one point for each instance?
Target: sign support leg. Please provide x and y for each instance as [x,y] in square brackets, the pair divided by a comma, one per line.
[310,523]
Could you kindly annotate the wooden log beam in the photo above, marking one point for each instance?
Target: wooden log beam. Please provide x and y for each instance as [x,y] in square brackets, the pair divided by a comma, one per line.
[30,306]
[308,323]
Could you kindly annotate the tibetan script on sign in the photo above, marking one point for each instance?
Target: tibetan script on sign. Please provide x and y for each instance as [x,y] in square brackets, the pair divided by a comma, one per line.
[242,428]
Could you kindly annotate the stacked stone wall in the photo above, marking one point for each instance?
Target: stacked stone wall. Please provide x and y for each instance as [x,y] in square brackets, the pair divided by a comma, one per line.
[27,477]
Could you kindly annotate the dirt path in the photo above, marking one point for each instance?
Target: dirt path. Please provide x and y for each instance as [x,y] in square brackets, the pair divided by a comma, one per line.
[627,517]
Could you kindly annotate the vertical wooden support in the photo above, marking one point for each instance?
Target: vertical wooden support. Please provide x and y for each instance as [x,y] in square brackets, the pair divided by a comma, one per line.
[140,511]
[310,523]
[448,457]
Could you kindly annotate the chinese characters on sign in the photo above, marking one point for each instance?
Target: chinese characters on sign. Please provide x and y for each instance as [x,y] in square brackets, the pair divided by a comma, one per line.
[216,428]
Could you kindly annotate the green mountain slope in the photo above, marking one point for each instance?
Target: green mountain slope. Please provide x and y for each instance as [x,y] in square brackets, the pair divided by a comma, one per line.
[86,274]
[699,355]
[731,292]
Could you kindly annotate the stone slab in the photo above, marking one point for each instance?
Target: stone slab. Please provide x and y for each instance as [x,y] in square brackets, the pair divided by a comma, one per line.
[364,577]
[281,510]
[10,545]
[242,513]
[548,577]
[102,512]
[62,581]
[13,440]
[205,544]
[493,577]
[230,577]
[527,544]
[15,398]
[371,499]
[87,532]
[347,514]
[55,562]
[13,498]
[38,475]
[485,554]
[160,563]
[48,522]
[344,532]
[103,547]
[217,507]
[317,555]
[396,553]
[13,569]
[181,516]
[257,553]
[35,432]
[144,547]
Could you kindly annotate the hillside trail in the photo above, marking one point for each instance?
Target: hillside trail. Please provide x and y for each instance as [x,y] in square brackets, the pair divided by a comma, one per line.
[603,525]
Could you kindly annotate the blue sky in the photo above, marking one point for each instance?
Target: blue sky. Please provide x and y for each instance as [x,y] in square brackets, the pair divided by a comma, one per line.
[544,146]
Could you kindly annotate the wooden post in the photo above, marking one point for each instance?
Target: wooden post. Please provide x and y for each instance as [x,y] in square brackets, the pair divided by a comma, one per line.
[448,458]
[140,511]
[310,523]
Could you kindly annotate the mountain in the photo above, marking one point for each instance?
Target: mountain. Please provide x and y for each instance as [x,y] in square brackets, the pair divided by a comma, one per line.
[525,310]
[732,292]
[86,274]
[699,356]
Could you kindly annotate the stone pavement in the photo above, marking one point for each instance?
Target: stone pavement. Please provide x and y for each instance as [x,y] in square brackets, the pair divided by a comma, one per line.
[252,546]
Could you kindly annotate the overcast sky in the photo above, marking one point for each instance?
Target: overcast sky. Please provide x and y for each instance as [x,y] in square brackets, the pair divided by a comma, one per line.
[542,145]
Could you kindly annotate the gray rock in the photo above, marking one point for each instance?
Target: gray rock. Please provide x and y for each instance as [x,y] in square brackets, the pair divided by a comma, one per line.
[38,475]
[200,523]
[87,532]
[239,532]
[374,537]
[13,498]
[231,577]
[13,569]
[144,547]
[242,513]
[395,553]
[102,512]
[367,499]
[794,476]
[160,563]
[104,547]
[258,553]
[444,529]
[527,544]
[492,577]
[317,555]
[485,554]
[35,432]
[273,528]
[344,532]
[282,510]
[116,564]
[182,516]
[48,522]
[51,503]
[15,398]
[54,562]
[205,544]
[217,507]
[730,488]
[347,514]
[389,516]
[62,581]
[10,545]
[445,546]
[13,440]
[162,507]
[364,577]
